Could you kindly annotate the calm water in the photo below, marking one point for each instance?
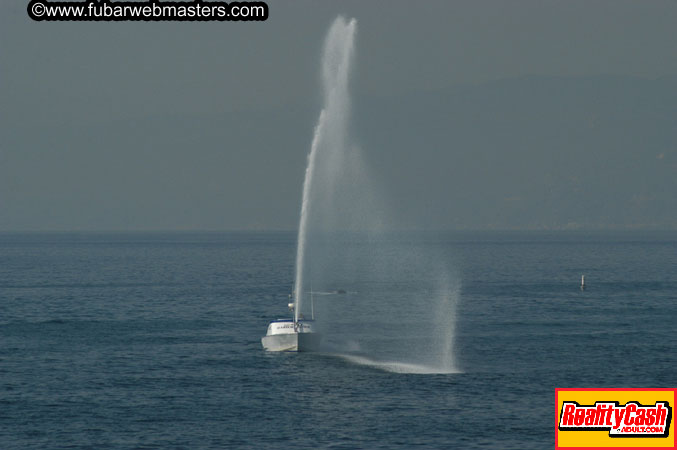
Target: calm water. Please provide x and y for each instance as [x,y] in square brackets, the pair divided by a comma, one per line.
[153,341]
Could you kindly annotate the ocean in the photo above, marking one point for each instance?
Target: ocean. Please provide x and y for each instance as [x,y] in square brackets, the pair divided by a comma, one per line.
[152,340]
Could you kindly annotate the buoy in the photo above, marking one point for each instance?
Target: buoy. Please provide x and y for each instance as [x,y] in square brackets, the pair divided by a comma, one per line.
[582,282]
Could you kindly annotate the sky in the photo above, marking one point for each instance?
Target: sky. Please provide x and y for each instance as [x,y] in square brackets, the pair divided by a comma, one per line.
[470,115]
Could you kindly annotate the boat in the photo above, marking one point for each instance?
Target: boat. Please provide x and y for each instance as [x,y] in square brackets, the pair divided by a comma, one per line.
[292,335]
[285,335]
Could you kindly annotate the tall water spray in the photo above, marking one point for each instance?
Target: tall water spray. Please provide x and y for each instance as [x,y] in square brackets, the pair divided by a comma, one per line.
[329,136]
[383,299]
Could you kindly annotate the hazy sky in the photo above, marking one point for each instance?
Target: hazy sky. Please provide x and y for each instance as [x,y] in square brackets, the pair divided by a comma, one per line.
[471,115]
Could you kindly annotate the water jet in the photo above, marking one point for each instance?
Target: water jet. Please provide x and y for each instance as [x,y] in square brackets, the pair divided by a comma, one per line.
[298,333]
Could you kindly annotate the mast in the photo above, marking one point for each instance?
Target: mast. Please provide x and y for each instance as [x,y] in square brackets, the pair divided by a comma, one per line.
[292,305]
[312,301]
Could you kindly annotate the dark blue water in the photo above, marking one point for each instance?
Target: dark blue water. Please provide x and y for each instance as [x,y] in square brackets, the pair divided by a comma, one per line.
[153,341]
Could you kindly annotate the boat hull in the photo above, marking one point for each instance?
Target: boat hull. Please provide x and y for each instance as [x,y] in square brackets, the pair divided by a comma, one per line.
[292,342]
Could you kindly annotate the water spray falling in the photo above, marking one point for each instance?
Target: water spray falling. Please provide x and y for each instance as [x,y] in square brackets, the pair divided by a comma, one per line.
[329,131]
[382,299]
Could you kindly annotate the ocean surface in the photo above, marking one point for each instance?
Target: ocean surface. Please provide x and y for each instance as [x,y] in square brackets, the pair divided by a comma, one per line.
[152,340]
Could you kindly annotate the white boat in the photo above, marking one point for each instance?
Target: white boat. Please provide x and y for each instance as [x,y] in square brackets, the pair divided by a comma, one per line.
[293,335]
[288,335]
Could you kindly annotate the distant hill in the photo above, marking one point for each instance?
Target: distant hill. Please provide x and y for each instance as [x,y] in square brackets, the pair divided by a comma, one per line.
[527,153]
[533,152]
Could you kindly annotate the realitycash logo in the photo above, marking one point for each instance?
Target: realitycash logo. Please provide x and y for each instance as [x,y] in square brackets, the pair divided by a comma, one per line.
[597,418]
